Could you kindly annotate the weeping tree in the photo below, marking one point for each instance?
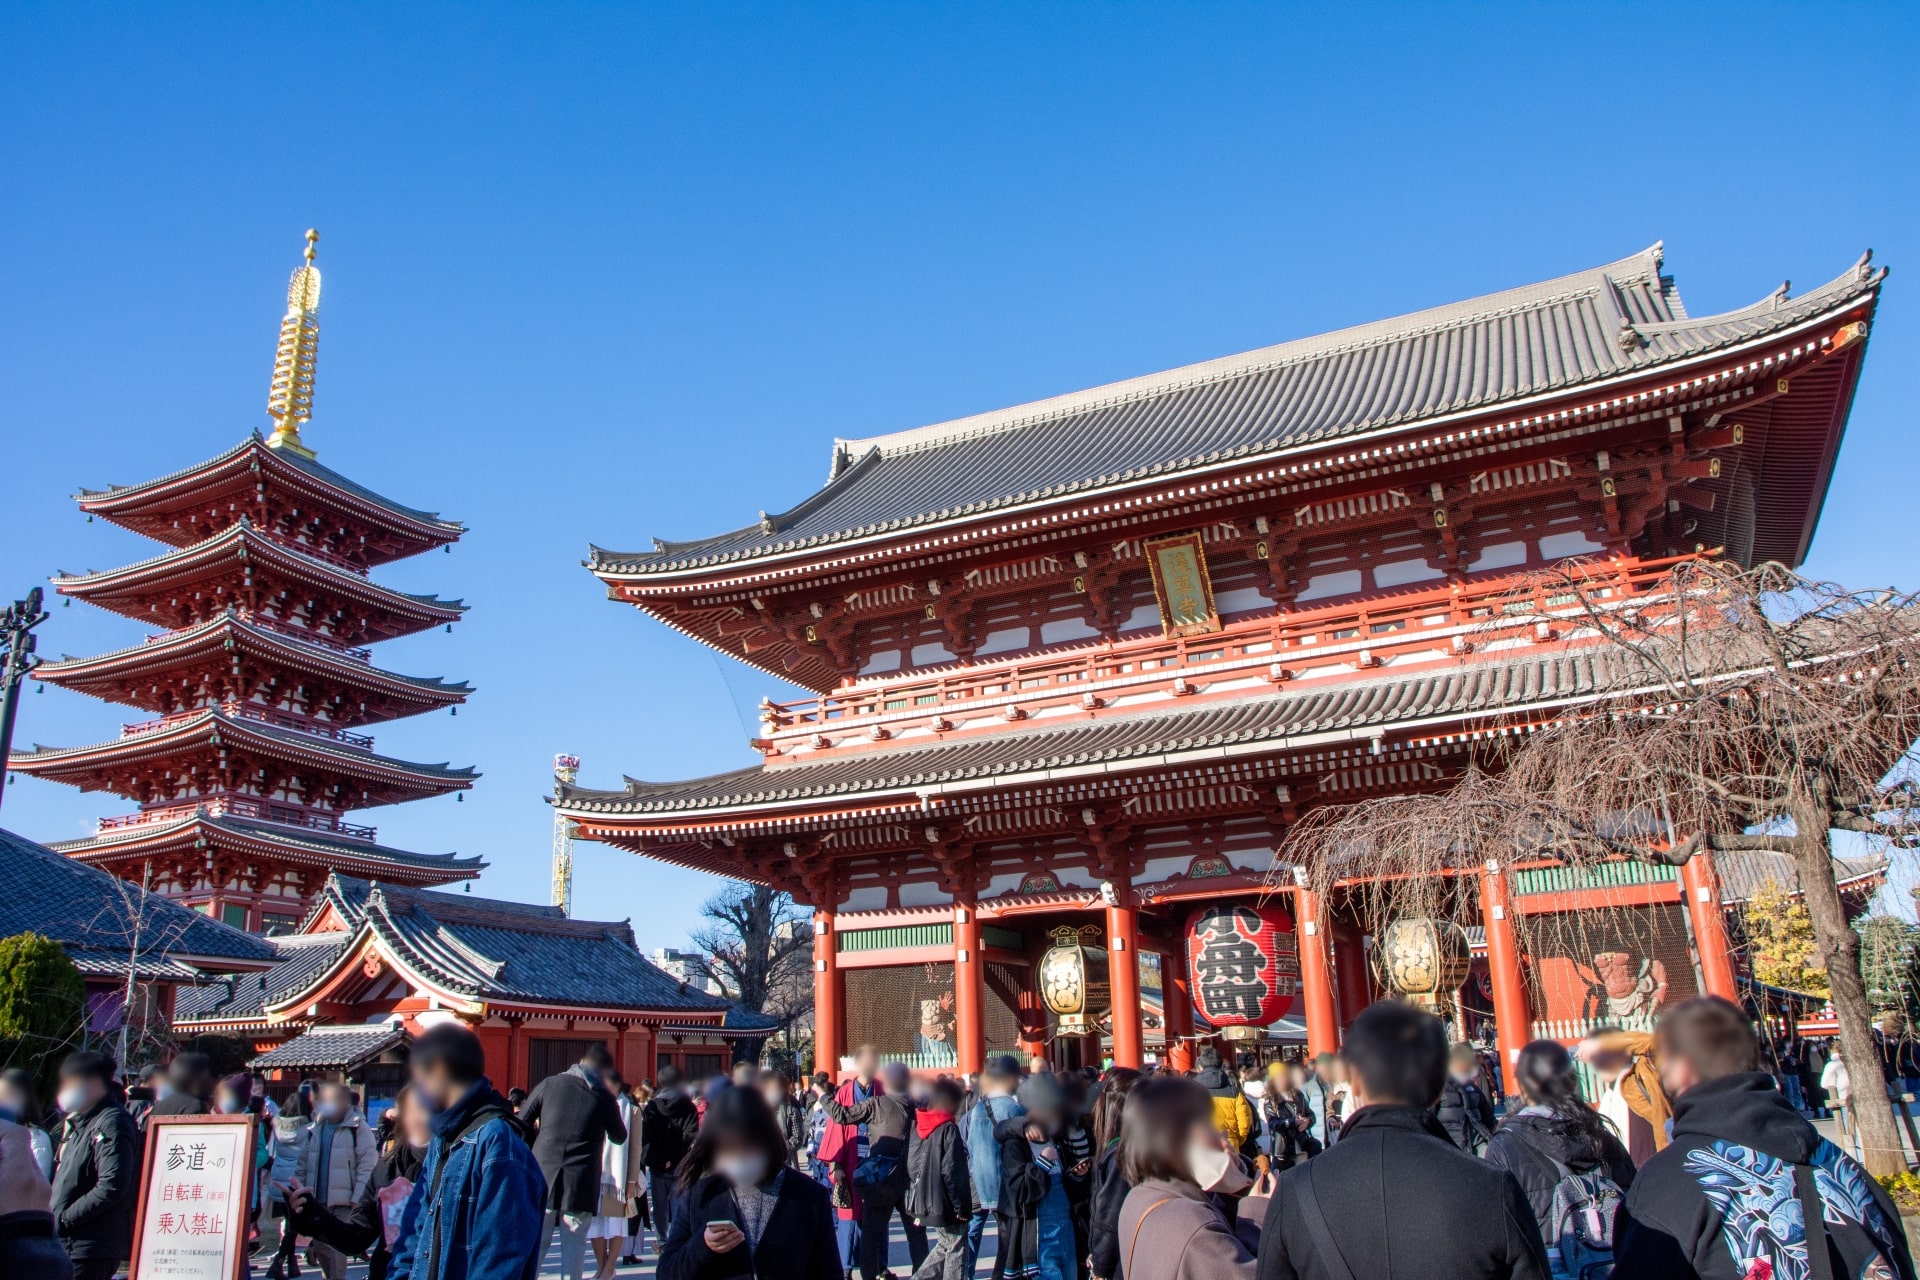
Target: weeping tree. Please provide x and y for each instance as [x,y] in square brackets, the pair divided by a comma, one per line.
[1719,709]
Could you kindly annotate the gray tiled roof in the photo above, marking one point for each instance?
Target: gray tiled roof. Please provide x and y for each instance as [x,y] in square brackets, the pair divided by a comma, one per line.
[335,1047]
[319,842]
[1743,872]
[489,949]
[243,996]
[1292,716]
[93,915]
[1549,337]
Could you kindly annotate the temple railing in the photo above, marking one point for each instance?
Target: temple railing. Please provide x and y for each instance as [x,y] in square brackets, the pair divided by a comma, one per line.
[1353,635]
[285,815]
[265,715]
[288,630]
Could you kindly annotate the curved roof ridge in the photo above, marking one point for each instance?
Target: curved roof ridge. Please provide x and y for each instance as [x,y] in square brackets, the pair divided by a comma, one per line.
[1635,268]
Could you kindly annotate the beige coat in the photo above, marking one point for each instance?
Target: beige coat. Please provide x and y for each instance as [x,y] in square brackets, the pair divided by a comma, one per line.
[620,1165]
[1171,1231]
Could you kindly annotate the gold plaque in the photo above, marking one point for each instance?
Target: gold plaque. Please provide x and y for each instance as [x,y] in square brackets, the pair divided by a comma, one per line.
[1181,586]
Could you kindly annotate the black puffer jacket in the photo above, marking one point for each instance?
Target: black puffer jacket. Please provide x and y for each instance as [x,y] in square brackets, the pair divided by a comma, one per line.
[1110,1188]
[668,1125]
[1529,1141]
[97,1182]
[1466,1113]
[1712,1204]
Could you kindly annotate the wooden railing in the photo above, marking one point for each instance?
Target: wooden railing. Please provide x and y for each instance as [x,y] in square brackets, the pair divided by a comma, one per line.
[265,715]
[1356,633]
[285,815]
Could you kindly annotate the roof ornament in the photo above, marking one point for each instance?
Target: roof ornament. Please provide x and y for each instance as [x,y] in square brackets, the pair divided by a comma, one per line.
[1629,337]
[290,399]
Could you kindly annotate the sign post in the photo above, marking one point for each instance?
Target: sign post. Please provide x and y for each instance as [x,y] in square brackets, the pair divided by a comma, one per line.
[196,1190]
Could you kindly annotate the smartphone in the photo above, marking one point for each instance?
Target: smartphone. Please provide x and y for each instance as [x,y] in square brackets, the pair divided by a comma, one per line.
[723,1222]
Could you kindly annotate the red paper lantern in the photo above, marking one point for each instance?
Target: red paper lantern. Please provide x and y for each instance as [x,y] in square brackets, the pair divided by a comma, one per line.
[1244,964]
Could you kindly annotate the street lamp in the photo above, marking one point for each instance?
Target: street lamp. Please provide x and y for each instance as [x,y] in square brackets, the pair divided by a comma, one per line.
[16,634]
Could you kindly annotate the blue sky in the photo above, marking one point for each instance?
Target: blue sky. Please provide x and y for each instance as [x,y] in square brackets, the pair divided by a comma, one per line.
[597,273]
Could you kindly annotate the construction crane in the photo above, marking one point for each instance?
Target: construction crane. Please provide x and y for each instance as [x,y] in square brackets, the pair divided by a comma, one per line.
[565,770]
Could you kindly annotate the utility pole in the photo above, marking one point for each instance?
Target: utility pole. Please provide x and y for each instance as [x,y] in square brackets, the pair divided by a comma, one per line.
[16,633]
[566,769]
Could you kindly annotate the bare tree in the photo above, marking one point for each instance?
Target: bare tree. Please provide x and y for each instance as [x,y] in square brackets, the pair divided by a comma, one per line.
[753,944]
[138,925]
[1722,709]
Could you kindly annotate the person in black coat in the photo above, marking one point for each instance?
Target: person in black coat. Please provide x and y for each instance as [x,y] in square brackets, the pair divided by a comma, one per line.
[740,1211]
[669,1123]
[1395,1199]
[1717,1202]
[97,1179]
[939,1184]
[1464,1110]
[1110,1185]
[186,1088]
[375,1216]
[1555,1142]
[574,1114]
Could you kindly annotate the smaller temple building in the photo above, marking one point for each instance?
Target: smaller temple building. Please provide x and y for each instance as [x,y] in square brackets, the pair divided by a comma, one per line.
[373,965]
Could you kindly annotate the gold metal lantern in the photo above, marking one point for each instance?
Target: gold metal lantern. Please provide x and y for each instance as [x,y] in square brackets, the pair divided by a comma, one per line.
[1064,979]
[1425,961]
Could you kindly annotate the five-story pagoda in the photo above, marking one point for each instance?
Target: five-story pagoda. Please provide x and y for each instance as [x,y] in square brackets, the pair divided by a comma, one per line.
[258,676]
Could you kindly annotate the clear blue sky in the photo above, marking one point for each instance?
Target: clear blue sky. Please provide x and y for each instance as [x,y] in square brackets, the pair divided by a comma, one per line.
[596,273]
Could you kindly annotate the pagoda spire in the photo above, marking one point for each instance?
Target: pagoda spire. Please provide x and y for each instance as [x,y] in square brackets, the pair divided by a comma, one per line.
[290,399]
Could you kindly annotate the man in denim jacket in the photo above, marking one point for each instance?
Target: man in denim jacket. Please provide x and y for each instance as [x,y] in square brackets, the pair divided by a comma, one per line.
[477,1211]
[996,1103]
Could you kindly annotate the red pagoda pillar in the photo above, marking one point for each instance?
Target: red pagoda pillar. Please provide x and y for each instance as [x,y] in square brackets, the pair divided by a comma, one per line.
[969,983]
[1702,887]
[1350,972]
[1316,978]
[1176,1009]
[1513,1022]
[828,1028]
[1123,977]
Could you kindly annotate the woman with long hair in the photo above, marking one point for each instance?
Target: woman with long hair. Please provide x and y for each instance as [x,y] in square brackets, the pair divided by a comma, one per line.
[1573,1167]
[1110,1186]
[739,1210]
[1172,1227]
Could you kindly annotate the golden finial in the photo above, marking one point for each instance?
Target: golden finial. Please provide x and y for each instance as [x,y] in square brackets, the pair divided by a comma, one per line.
[290,399]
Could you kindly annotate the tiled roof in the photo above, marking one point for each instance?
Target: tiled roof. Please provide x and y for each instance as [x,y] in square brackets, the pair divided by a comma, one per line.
[1743,872]
[1608,322]
[93,915]
[510,951]
[243,996]
[336,1047]
[1293,716]
[321,843]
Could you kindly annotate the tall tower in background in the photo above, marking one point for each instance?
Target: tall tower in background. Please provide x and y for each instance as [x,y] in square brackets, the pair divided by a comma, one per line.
[566,771]
[257,671]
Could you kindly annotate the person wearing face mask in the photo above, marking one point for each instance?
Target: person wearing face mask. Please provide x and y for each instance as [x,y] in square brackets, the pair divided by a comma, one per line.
[372,1223]
[336,1164]
[186,1089]
[20,1103]
[475,1210]
[620,1178]
[575,1115]
[739,1211]
[96,1181]
[1394,1198]
[939,1188]
[1172,1226]
[882,1119]
[287,1147]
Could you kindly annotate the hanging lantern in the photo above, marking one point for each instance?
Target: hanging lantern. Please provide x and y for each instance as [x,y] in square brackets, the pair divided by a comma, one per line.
[1244,962]
[1426,960]
[1063,978]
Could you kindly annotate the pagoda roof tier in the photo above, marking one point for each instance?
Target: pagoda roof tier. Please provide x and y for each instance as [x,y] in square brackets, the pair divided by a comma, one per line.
[244,568]
[198,834]
[231,657]
[1527,350]
[277,489]
[215,752]
[1434,700]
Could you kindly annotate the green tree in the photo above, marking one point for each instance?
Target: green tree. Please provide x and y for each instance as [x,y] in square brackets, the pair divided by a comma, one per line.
[1781,943]
[43,1005]
[1890,963]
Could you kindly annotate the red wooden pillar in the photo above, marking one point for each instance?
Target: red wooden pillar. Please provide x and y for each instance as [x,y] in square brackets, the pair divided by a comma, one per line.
[1512,1021]
[1123,977]
[1176,1008]
[1350,972]
[620,1050]
[1701,885]
[1316,978]
[969,986]
[828,1026]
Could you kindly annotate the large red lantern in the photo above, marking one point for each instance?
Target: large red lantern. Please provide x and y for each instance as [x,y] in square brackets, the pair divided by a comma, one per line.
[1244,964]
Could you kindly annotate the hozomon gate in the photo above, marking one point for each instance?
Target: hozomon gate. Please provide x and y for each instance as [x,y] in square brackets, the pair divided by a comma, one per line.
[1080,663]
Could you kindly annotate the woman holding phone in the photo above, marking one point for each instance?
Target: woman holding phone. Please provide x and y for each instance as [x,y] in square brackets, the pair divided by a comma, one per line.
[739,1210]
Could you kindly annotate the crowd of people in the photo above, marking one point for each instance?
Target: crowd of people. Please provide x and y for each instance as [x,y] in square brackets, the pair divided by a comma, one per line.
[1390,1159]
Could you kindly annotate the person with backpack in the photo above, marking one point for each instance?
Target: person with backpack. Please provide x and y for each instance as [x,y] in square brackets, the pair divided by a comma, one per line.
[939,1184]
[1747,1187]
[879,1115]
[1465,1111]
[1571,1166]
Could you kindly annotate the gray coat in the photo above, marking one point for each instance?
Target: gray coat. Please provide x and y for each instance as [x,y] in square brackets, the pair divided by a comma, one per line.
[1174,1231]
[348,1166]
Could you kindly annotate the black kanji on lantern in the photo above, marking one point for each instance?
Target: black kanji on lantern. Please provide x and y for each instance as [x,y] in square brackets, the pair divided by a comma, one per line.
[1230,967]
